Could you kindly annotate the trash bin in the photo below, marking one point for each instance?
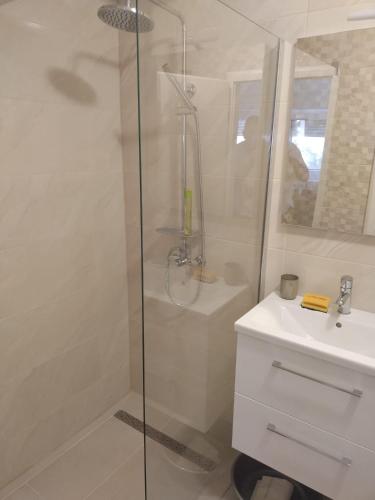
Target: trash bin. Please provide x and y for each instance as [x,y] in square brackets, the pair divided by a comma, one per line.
[246,472]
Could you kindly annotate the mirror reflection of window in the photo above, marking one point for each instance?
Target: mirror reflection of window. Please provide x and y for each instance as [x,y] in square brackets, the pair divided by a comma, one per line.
[309,120]
[245,138]
[245,166]
[309,116]
[247,105]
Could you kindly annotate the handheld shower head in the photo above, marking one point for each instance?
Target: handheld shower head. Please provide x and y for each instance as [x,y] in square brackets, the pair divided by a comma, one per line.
[182,93]
[125,17]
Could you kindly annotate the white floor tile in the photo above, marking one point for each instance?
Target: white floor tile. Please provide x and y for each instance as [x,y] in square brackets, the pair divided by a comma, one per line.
[167,480]
[126,483]
[108,464]
[83,468]
[53,457]
[219,483]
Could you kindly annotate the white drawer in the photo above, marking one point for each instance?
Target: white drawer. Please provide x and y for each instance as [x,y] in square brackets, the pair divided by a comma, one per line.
[303,452]
[320,402]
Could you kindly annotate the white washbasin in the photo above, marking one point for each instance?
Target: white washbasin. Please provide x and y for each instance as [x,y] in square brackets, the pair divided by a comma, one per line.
[349,340]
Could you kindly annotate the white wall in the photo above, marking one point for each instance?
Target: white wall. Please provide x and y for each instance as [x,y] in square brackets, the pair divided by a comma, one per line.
[63,296]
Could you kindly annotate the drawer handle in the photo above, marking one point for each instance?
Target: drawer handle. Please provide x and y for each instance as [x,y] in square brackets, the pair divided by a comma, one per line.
[353,392]
[342,460]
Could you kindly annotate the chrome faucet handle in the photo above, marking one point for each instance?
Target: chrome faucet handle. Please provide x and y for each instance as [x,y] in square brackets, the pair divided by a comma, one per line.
[200,261]
[346,283]
[345,298]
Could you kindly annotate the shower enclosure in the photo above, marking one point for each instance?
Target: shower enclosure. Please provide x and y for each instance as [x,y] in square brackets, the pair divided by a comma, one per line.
[135,144]
[205,104]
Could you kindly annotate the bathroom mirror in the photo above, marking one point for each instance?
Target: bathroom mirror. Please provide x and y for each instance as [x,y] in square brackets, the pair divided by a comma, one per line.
[328,182]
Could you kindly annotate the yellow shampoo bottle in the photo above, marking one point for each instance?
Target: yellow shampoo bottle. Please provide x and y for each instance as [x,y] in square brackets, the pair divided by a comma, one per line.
[188,212]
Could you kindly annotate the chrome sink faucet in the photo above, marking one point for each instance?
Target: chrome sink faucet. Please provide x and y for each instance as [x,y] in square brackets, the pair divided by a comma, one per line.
[344,300]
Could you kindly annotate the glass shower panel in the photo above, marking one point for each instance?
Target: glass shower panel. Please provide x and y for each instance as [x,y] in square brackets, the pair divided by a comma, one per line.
[206,92]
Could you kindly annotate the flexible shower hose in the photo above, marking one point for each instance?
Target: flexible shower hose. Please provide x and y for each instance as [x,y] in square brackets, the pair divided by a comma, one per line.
[176,251]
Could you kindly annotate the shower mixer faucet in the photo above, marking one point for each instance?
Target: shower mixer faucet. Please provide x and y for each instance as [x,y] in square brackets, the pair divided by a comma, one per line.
[181,257]
[182,260]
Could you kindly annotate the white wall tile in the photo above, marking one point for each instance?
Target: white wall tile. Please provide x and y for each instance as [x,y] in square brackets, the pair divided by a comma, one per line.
[63,297]
[24,493]
[274,268]
[322,276]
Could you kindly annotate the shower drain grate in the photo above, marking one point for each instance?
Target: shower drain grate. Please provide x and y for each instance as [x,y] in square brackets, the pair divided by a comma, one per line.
[172,444]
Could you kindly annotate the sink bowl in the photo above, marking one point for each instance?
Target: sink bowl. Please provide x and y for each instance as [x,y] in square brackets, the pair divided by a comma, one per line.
[348,340]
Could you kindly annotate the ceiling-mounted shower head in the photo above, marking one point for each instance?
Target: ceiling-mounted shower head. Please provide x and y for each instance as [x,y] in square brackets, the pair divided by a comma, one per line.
[124,17]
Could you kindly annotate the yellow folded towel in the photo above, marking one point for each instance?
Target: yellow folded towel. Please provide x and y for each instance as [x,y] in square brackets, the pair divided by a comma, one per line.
[316,302]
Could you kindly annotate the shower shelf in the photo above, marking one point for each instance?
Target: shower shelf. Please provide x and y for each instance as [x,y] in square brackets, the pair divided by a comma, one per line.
[174,231]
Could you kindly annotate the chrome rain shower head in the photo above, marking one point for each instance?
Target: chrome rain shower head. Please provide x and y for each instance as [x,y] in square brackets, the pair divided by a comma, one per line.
[124,17]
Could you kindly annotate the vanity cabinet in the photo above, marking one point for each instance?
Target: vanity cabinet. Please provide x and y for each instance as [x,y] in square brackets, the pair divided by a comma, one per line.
[309,418]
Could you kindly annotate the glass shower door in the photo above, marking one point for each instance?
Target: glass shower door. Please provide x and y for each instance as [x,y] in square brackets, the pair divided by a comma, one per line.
[206,96]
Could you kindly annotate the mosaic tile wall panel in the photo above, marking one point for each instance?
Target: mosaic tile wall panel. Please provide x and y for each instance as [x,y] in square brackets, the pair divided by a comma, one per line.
[311,93]
[351,155]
